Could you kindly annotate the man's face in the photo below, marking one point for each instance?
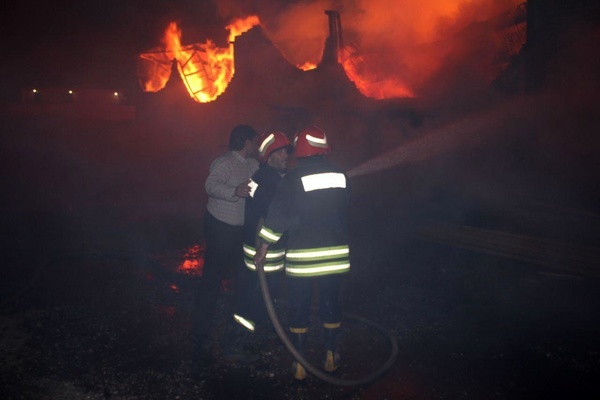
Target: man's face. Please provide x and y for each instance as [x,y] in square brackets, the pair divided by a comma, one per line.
[279,160]
[251,147]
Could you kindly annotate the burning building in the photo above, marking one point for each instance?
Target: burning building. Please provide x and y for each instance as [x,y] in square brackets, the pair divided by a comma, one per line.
[255,80]
[370,99]
[207,69]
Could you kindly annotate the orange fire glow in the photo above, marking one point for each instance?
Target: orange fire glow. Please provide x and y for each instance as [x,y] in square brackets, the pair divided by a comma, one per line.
[307,66]
[406,49]
[400,48]
[241,25]
[205,68]
[368,81]
[193,261]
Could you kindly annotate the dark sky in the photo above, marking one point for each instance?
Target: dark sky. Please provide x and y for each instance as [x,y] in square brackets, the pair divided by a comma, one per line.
[91,43]
[95,43]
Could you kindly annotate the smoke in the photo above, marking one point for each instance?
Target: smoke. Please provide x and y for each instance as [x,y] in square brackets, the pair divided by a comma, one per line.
[448,138]
[539,145]
[414,43]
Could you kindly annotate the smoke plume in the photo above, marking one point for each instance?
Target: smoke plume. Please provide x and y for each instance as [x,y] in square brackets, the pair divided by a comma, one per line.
[415,43]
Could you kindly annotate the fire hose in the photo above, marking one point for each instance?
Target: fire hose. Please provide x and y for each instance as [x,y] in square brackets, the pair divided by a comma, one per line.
[283,336]
[264,286]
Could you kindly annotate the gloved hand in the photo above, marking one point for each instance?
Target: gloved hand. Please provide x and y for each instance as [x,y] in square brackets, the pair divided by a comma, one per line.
[261,255]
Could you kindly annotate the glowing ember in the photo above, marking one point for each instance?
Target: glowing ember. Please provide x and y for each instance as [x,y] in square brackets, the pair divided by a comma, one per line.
[193,261]
[307,66]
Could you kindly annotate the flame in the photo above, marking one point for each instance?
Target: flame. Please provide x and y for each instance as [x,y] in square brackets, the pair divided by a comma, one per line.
[154,70]
[401,48]
[405,50]
[193,261]
[307,66]
[241,25]
[367,79]
[205,68]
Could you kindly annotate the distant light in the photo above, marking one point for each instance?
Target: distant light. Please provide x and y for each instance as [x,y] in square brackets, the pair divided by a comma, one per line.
[34,90]
[116,94]
[70,92]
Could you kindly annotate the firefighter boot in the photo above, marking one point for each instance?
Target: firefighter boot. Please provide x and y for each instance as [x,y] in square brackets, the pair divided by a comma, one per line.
[299,341]
[332,357]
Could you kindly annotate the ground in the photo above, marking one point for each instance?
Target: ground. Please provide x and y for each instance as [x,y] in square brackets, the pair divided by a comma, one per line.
[94,304]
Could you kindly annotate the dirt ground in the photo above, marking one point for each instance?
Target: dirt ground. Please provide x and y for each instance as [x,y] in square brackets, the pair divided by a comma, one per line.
[94,305]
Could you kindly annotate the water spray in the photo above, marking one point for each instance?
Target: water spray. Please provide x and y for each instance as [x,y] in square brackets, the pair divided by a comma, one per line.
[463,132]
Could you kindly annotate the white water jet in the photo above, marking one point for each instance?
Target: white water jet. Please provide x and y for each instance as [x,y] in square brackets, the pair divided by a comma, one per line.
[465,131]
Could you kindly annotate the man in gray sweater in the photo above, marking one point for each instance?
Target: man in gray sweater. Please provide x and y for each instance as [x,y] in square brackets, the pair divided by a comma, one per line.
[227,187]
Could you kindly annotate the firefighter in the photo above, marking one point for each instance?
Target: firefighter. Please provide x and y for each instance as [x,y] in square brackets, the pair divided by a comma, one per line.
[249,310]
[311,207]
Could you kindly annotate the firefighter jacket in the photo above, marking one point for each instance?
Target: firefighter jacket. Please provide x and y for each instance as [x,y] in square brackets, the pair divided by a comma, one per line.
[311,206]
[264,184]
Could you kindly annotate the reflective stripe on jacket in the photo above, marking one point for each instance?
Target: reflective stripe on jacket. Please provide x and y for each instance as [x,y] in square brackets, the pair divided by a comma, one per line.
[274,260]
[264,184]
[310,207]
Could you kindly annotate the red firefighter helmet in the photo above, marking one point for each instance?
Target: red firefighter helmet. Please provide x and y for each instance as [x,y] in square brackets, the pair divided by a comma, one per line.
[311,141]
[270,142]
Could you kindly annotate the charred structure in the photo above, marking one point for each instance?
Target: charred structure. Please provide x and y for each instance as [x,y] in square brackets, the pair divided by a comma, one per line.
[335,41]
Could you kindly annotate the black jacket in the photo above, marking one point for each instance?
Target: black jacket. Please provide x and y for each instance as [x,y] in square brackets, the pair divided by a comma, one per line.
[311,206]
[266,180]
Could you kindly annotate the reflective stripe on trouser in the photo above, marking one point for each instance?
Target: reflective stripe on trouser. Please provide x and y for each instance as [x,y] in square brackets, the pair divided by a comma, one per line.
[246,323]
[298,330]
[318,261]
[274,260]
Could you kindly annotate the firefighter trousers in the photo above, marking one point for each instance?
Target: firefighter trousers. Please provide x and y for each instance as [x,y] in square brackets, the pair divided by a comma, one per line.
[300,291]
